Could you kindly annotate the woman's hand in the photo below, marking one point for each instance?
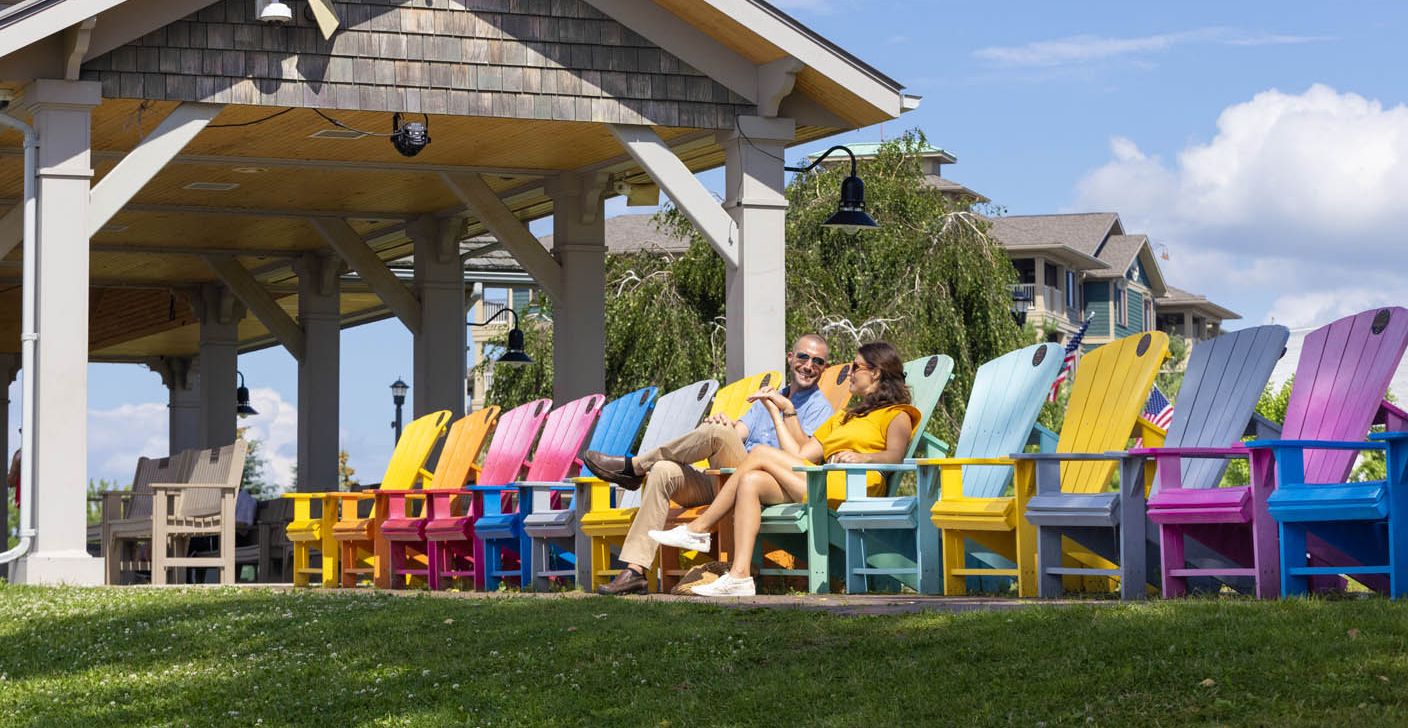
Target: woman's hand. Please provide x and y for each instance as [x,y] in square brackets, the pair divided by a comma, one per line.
[848,456]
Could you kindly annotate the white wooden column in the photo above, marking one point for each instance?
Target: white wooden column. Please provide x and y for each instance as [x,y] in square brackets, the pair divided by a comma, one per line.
[182,381]
[62,117]
[756,304]
[440,366]
[219,313]
[579,310]
[318,372]
[9,365]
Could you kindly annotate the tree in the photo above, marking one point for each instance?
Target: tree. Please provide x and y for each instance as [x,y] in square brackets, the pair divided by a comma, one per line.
[930,280]
[252,479]
[346,474]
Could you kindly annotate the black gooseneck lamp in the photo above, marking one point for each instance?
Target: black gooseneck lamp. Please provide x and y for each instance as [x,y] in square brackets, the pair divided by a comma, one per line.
[242,406]
[514,354]
[850,216]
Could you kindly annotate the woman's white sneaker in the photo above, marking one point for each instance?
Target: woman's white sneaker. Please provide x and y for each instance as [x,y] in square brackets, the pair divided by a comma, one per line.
[727,585]
[682,538]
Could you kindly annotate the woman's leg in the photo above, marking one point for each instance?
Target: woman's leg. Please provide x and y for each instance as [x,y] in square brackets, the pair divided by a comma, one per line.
[778,463]
[755,489]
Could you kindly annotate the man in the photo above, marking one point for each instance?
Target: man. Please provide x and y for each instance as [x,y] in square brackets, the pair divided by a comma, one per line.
[667,472]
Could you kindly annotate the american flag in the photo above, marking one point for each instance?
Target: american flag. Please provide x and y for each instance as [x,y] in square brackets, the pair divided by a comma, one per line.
[1158,409]
[1072,350]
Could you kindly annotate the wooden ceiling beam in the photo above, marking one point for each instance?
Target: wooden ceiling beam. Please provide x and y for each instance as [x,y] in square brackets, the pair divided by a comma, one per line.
[259,302]
[218,160]
[377,275]
[494,214]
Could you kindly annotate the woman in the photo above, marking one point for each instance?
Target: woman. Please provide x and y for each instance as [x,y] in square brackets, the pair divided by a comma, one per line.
[876,429]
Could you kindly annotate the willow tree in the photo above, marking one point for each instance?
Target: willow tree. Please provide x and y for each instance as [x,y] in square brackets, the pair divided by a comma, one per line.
[929,280]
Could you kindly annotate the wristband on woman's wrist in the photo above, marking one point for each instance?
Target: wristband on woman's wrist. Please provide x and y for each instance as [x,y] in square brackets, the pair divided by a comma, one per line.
[793,413]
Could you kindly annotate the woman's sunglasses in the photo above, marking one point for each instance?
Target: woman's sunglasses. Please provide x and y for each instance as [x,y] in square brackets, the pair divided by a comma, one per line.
[805,358]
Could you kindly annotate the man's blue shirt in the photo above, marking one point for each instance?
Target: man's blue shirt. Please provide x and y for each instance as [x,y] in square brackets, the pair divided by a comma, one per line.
[812,411]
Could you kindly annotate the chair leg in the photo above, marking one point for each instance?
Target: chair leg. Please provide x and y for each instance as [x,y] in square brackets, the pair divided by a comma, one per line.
[954,554]
[600,561]
[300,563]
[1172,557]
[928,555]
[1266,557]
[1027,567]
[1292,556]
[482,564]
[1133,551]
[1397,559]
[855,561]
[1048,556]
[527,563]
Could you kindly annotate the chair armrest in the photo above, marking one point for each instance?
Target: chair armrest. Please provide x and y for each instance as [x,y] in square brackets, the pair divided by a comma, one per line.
[191,486]
[1391,416]
[720,471]
[1233,451]
[304,496]
[854,468]
[1065,456]
[1390,437]
[1043,438]
[1262,429]
[933,446]
[952,462]
[557,485]
[1315,445]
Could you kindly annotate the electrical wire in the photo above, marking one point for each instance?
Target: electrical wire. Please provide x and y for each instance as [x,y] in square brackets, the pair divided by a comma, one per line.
[341,125]
[274,115]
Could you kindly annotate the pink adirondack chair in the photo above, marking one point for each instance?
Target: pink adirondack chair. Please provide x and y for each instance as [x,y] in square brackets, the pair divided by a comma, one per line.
[1341,379]
[498,532]
[513,437]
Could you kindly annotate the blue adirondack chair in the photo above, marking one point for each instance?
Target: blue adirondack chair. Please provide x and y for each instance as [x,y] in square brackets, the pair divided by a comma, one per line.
[1001,417]
[602,519]
[811,529]
[1328,526]
[550,529]
[1216,403]
[499,530]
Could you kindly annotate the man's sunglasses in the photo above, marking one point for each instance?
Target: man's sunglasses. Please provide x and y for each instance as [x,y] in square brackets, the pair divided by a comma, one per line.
[804,358]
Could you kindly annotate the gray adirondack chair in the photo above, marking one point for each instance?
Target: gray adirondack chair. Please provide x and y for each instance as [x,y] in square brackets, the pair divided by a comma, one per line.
[1215,408]
[127,514]
[203,505]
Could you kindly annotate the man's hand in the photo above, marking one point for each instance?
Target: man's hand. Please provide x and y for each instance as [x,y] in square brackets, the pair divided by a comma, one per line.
[848,456]
[719,419]
[769,395]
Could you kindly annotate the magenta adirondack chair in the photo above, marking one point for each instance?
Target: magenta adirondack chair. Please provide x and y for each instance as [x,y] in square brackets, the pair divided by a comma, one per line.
[513,438]
[501,548]
[1341,379]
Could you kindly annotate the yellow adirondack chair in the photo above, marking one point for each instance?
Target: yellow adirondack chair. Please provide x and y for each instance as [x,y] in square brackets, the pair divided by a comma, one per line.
[1107,399]
[607,526]
[309,532]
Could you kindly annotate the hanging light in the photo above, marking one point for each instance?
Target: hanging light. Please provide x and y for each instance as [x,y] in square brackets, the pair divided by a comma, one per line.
[242,406]
[411,137]
[514,355]
[850,216]
[1021,303]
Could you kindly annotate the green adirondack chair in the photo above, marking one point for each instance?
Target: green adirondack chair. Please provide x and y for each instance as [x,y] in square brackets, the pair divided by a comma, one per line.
[809,530]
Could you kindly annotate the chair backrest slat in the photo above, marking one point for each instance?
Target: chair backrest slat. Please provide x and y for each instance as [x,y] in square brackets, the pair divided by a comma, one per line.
[1007,396]
[218,465]
[417,442]
[564,432]
[620,422]
[675,414]
[1341,379]
[513,438]
[732,399]
[927,377]
[461,450]
[173,469]
[835,385]
[1111,386]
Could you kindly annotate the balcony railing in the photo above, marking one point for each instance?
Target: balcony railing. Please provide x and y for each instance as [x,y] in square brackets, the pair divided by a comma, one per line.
[1046,299]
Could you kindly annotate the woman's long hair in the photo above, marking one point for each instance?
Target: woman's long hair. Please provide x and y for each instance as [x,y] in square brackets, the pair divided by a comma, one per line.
[890,389]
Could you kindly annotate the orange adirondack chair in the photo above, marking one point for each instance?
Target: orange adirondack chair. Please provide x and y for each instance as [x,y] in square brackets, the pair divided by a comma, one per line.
[310,533]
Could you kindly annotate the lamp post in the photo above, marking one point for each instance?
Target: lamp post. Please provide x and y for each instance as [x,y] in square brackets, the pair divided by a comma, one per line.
[514,354]
[1021,303]
[242,406]
[398,397]
[850,216]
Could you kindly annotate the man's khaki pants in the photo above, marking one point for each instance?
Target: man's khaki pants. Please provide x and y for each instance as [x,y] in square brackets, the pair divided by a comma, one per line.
[670,476]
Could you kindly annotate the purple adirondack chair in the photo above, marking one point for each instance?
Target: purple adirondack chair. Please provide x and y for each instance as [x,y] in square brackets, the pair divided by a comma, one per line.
[1341,379]
[513,437]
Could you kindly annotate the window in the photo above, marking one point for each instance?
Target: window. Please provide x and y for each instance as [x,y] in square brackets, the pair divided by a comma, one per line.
[1148,314]
[1026,270]
[1121,296]
[1072,297]
[1052,275]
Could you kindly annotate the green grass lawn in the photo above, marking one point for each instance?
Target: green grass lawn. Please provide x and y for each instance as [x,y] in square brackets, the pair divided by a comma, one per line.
[107,657]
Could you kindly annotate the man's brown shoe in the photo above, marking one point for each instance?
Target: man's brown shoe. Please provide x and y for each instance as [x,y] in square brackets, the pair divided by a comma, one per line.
[626,582]
[612,469]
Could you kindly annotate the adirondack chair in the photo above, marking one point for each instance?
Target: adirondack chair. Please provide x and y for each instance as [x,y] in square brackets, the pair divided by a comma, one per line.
[127,519]
[808,531]
[314,532]
[835,385]
[202,505]
[1216,403]
[444,529]
[731,400]
[1006,396]
[1341,377]
[602,524]
[1352,529]
[358,531]
[499,531]
[554,542]
[1107,396]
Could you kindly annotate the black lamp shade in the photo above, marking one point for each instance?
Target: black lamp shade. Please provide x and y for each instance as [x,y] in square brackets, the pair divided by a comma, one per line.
[851,217]
[242,406]
[514,355]
[399,389]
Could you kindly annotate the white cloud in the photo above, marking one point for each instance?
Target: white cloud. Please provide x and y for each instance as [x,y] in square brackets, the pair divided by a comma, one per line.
[1079,49]
[118,436]
[276,429]
[1296,202]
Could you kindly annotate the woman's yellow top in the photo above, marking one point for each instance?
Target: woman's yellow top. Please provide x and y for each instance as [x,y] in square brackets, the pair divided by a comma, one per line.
[864,434]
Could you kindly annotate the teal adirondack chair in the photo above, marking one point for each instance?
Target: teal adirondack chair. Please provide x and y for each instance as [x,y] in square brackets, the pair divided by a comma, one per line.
[809,530]
[1001,418]
[550,529]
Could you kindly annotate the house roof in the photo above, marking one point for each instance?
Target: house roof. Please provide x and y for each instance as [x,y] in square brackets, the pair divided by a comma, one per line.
[1083,232]
[949,187]
[636,234]
[1179,298]
[1119,252]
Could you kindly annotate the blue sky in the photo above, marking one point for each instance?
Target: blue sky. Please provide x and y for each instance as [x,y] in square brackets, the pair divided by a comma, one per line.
[1263,143]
